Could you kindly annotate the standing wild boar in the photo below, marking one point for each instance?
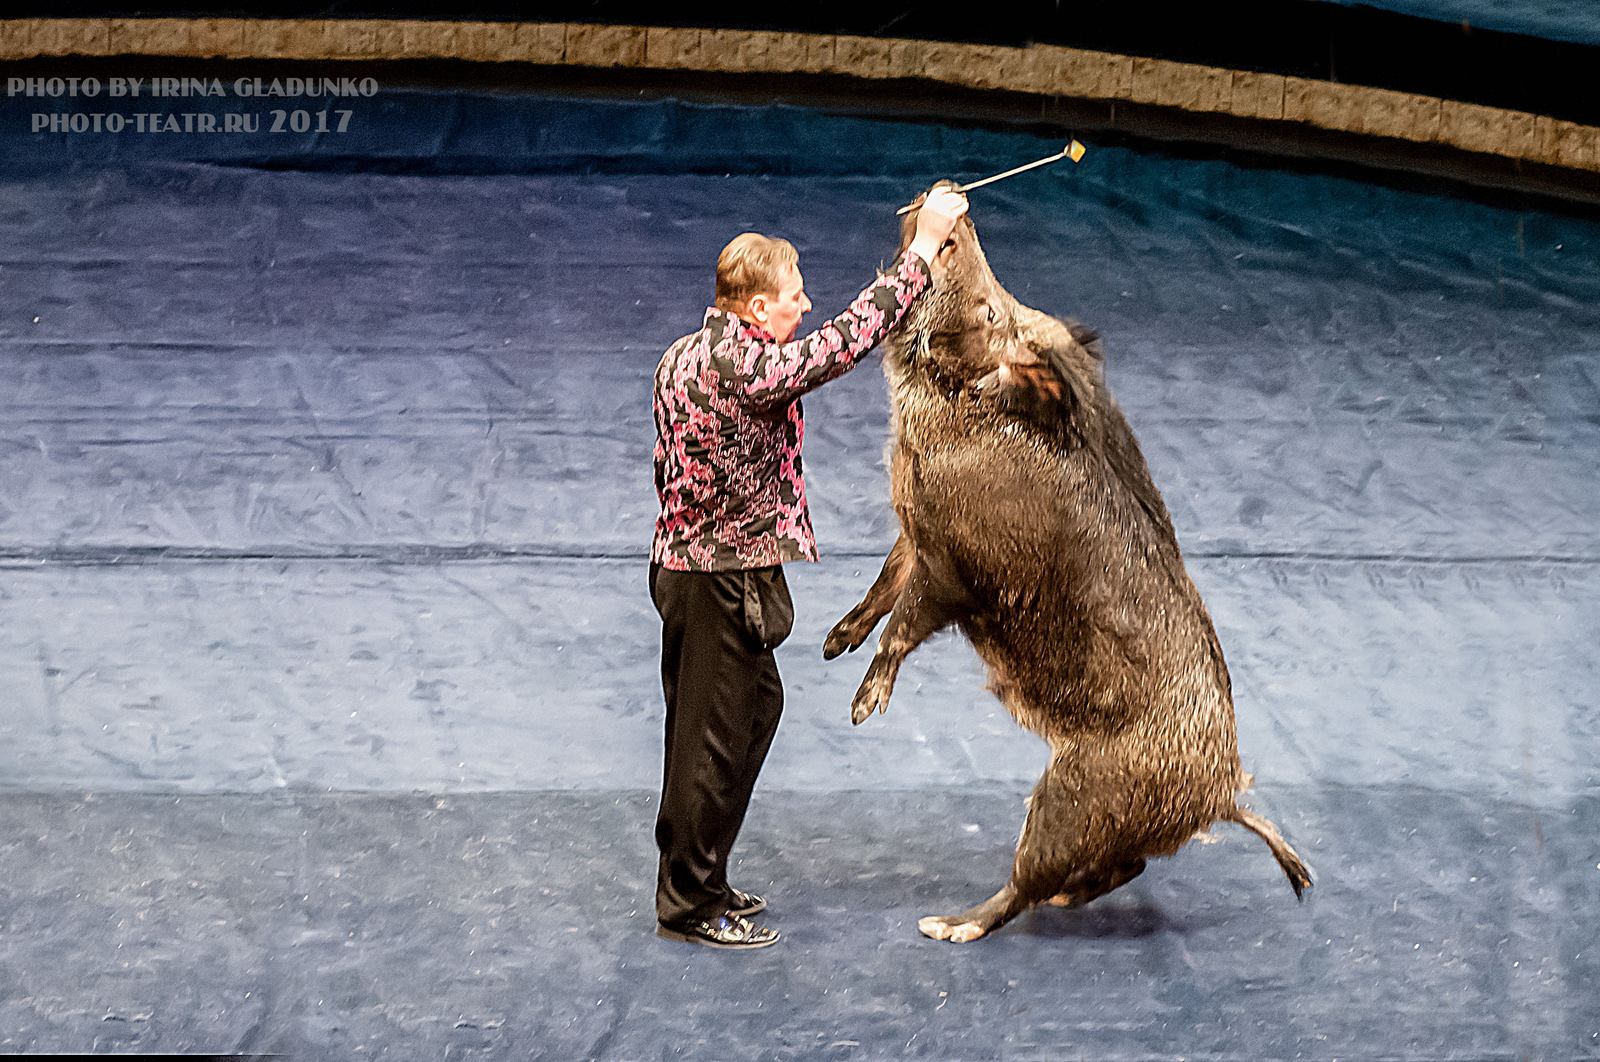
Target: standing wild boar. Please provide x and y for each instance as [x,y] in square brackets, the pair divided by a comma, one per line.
[1028,519]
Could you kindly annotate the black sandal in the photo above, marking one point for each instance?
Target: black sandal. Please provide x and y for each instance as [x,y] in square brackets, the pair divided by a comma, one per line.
[746,904]
[725,931]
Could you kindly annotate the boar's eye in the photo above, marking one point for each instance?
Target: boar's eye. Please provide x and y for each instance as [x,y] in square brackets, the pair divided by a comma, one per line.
[993,317]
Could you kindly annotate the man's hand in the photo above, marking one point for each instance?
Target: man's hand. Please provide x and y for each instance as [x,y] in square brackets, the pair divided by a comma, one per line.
[936,219]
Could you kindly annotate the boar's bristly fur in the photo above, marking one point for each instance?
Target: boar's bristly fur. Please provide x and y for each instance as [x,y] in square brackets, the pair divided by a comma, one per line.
[1028,520]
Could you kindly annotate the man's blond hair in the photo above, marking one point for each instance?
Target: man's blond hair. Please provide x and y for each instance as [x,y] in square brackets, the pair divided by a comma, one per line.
[750,265]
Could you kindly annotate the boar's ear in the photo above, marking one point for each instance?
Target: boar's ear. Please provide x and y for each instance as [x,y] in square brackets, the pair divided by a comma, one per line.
[1087,338]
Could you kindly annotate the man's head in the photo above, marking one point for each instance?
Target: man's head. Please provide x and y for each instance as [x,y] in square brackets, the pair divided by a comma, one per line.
[758,279]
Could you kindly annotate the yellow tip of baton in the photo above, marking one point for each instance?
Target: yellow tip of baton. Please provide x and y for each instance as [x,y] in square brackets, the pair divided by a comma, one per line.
[1075,151]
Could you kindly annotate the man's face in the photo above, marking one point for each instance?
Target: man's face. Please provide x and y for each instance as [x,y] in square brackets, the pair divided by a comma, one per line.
[784,308]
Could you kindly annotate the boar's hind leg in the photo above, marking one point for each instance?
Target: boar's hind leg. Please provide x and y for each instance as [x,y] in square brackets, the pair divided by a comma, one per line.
[974,922]
[926,605]
[1085,887]
[1049,858]
[851,631]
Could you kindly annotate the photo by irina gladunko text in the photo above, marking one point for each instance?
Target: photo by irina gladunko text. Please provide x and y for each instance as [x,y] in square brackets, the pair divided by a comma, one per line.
[71,105]
[168,87]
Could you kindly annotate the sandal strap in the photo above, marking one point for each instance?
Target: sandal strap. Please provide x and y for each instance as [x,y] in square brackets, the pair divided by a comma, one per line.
[735,929]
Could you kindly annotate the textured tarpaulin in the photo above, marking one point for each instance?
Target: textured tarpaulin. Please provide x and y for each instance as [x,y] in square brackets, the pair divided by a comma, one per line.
[334,717]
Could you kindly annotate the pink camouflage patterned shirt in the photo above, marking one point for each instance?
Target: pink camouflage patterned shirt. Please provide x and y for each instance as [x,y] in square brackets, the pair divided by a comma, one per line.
[729,428]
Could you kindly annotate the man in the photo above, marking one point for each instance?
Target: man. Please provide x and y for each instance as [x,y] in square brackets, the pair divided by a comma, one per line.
[729,428]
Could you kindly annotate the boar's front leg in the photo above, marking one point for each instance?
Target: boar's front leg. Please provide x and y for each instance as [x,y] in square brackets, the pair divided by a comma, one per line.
[926,605]
[851,631]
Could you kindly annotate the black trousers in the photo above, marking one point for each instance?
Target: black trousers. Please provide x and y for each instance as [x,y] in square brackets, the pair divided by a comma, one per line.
[724,697]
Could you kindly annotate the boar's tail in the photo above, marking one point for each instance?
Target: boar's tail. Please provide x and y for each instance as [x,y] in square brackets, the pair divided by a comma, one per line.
[1288,859]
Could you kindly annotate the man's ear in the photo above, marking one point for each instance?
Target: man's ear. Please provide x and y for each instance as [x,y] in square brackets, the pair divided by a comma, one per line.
[757,306]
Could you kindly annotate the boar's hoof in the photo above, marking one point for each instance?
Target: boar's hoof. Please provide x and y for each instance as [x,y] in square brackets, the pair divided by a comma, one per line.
[950,927]
[841,639]
[860,710]
[873,696]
